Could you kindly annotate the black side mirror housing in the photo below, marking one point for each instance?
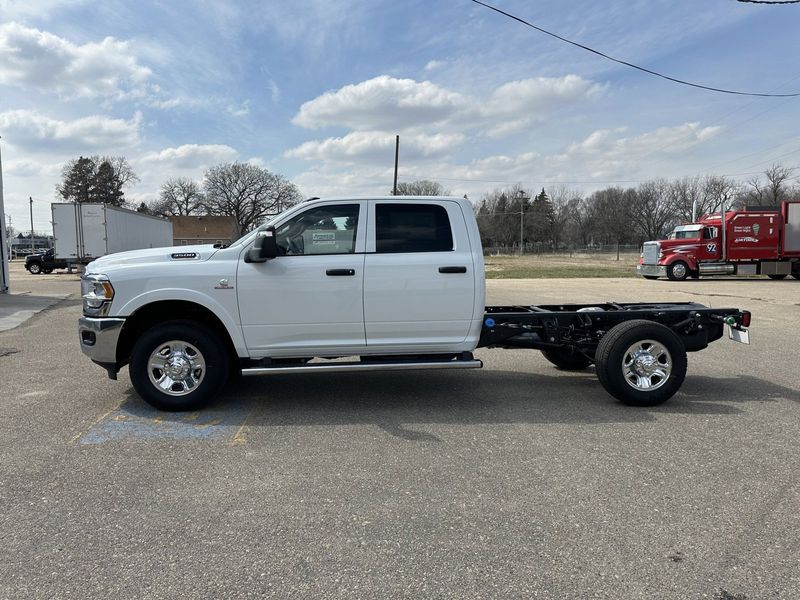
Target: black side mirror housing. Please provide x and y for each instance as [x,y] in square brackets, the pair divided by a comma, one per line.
[264,248]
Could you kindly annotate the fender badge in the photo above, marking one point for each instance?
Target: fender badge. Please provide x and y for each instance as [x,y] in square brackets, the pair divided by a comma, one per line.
[184,255]
[223,285]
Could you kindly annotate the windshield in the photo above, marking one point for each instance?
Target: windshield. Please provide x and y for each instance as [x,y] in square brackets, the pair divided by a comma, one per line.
[683,233]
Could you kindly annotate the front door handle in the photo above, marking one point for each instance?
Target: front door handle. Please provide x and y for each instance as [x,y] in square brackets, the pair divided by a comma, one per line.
[452,269]
[340,272]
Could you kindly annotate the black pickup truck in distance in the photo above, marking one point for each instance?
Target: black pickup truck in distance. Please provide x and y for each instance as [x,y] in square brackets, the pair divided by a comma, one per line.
[45,263]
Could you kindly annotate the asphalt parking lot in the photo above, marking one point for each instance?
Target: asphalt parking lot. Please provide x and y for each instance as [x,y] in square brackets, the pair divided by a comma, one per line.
[516,481]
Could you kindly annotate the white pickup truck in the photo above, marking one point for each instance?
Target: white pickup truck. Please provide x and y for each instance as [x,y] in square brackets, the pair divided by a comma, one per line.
[396,283]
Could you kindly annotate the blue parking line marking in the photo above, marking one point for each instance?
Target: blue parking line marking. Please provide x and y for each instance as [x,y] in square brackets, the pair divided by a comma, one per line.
[136,420]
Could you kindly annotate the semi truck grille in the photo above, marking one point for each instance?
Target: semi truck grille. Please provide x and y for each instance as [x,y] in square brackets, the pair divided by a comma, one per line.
[650,253]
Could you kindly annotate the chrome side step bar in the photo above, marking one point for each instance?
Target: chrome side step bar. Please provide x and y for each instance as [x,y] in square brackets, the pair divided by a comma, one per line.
[348,367]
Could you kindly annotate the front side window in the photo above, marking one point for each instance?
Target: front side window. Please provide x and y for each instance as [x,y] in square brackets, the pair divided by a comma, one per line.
[321,230]
[412,228]
[709,233]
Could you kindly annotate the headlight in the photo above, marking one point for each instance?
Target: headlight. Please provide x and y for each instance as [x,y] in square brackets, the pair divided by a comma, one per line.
[97,293]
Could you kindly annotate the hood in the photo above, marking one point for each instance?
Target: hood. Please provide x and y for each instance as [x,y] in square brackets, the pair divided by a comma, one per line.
[170,254]
[679,245]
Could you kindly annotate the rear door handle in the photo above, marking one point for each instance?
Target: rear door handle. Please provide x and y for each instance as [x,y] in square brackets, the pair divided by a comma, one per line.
[452,269]
[340,272]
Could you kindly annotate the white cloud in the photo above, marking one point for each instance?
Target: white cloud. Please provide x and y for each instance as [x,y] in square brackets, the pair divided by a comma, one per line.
[376,146]
[602,156]
[381,103]
[190,156]
[432,65]
[239,111]
[388,104]
[32,130]
[34,59]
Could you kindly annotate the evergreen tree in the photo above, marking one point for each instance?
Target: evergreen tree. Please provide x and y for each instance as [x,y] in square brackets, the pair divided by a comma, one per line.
[77,180]
[541,218]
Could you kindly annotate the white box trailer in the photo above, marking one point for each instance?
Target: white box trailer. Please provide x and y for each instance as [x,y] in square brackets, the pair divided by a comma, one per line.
[83,232]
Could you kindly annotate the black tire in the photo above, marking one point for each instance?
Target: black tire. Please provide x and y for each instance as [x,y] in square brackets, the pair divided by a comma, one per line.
[567,360]
[779,276]
[796,275]
[650,277]
[35,268]
[614,348]
[678,271]
[203,341]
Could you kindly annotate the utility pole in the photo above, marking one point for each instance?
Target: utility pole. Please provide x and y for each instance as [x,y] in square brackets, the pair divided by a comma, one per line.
[33,249]
[3,243]
[396,157]
[521,196]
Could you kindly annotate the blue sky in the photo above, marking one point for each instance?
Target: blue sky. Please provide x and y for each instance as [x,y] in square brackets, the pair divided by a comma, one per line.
[317,89]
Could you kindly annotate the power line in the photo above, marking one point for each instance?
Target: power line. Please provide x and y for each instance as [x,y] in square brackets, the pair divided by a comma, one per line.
[627,64]
[770,1]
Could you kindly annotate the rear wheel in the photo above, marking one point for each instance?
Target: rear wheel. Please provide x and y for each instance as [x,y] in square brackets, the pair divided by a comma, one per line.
[641,363]
[678,271]
[178,365]
[779,276]
[35,268]
[567,360]
[796,275]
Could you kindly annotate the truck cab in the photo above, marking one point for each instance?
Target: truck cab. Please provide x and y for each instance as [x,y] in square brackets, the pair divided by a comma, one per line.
[366,277]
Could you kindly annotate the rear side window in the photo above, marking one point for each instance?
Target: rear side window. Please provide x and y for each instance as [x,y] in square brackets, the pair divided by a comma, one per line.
[412,228]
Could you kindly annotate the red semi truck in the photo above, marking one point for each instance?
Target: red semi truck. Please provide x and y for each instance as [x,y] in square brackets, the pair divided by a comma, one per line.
[752,242]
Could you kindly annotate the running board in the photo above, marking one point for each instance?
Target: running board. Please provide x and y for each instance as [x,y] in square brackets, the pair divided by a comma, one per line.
[348,367]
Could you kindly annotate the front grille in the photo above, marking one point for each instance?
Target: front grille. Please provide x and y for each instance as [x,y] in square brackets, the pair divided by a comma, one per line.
[650,253]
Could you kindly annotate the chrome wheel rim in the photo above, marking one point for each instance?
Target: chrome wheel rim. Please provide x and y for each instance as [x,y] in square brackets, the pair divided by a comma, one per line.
[679,270]
[176,368]
[35,269]
[646,365]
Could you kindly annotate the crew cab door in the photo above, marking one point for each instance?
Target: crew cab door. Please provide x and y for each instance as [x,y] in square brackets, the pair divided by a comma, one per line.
[419,281]
[310,298]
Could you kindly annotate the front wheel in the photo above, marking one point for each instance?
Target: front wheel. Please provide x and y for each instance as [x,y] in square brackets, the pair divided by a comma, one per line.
[178,365]
[641,363]
[566,360]
[780,276]
[35,268]
[678,271]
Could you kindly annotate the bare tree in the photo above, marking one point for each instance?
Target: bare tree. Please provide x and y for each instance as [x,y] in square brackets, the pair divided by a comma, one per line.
[421,187]
[719,191]
[179,196]
[773,191]
[563,199]
[650,209]
[248,193]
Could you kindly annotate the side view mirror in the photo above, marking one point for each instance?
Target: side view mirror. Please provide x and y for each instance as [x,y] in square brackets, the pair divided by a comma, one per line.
[264,248]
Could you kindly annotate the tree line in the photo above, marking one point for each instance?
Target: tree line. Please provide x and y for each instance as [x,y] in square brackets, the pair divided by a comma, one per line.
[244,191]
[555,218]
[562,217]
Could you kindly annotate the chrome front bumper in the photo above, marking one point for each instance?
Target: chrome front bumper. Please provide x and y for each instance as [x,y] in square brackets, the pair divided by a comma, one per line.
[651,270]
[99,338]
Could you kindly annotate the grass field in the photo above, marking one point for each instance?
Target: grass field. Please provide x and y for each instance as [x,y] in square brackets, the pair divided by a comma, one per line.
[544,266]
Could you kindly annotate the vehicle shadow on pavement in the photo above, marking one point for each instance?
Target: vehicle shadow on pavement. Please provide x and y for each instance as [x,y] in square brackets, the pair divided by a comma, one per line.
[391,403]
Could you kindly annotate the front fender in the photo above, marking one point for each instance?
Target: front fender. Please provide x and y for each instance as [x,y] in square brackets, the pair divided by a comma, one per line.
[221,312]
[690,260]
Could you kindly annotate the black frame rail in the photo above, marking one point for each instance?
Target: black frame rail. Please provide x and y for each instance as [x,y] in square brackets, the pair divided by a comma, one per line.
[581,326]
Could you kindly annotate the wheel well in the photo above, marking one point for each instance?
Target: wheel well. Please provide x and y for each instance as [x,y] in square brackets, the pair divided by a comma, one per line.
[168,310]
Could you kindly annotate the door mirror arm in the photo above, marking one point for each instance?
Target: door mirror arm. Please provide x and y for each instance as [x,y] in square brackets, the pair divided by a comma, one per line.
[264,248]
